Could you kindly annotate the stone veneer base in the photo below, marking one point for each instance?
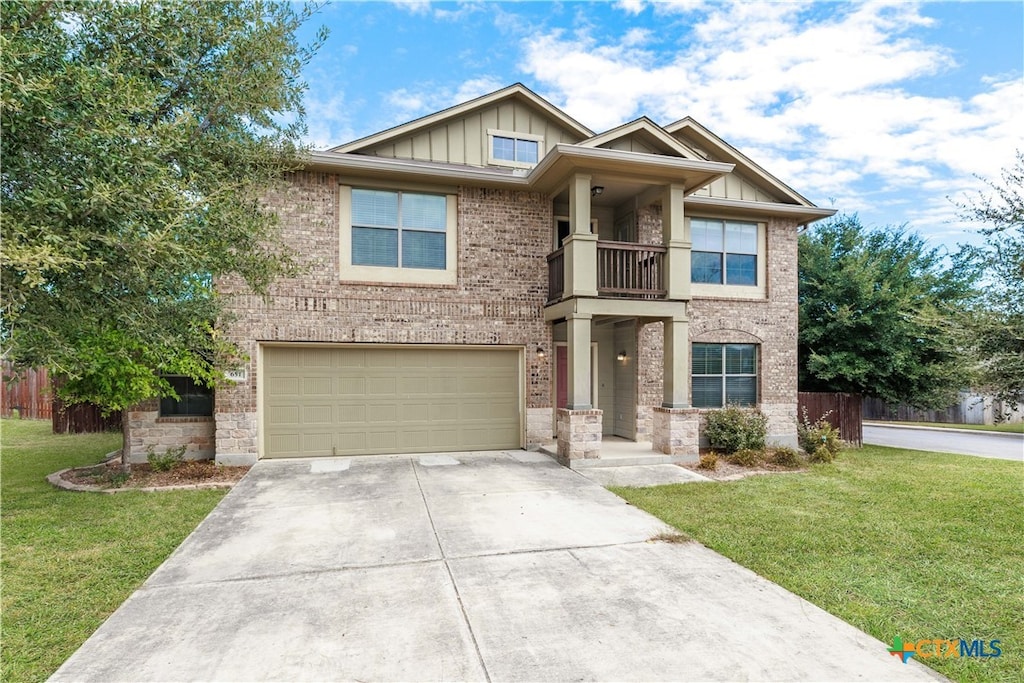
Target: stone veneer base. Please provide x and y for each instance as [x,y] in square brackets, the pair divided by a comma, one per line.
[677,431]
[579,435]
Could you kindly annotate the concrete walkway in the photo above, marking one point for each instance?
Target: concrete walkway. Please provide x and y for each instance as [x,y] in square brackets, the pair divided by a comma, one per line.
[492,566]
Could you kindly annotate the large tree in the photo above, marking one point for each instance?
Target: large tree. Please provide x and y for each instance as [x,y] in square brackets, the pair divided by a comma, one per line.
[994,329]
[137,140]
[875,307]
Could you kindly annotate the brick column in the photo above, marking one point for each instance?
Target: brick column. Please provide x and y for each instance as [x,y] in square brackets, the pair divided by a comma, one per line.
[579,435]
[677,431]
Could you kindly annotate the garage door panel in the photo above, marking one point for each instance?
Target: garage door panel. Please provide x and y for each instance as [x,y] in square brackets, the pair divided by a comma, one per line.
[353,401]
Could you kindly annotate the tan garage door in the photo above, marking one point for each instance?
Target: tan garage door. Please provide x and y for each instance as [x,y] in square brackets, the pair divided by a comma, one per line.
[361,401]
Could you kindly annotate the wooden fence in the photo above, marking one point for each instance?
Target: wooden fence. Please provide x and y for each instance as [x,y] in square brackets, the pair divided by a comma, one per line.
[970,409]
[843,411]
[81,418]
[28,394]
[25,393]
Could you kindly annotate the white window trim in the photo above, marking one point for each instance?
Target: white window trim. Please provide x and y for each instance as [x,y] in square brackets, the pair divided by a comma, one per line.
[494,132]
[723,291]
[418,276]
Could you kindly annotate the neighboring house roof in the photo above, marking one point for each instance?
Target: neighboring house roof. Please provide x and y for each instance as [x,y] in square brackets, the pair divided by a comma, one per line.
[702,139]
[515,91]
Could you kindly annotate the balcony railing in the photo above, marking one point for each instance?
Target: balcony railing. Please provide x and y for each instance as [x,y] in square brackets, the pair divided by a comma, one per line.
[631,270]
[624,269]
[556,274]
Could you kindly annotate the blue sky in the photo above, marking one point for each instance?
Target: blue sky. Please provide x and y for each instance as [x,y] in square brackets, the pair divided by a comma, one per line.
[887,109]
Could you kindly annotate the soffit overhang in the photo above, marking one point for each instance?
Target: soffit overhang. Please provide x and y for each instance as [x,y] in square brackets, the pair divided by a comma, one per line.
[564,161]
[550,176]
[802,215]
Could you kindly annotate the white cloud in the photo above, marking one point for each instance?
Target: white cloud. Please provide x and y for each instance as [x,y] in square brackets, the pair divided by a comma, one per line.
[407,104]
[821,101]
[327,121]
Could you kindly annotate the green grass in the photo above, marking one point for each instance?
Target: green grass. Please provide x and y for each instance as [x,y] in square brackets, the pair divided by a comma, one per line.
[70,559]
[896,542]
[1010,428]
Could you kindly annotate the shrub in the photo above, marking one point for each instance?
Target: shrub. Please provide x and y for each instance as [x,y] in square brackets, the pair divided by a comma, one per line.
[747,457]
[786,457]
[708,461]
[166,461]
[819,439]
[731,429]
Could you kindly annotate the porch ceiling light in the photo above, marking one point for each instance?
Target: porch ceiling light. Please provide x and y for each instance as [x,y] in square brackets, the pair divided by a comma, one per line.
[596,190]
[622,355]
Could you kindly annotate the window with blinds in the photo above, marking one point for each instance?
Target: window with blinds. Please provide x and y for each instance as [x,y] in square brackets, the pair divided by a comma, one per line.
[398,229]
[724,374]
[724,252]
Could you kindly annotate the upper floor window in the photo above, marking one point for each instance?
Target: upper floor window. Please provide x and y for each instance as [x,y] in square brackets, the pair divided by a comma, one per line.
[506,148]
[723,375]
[398,236]
[724,252]
[194,399]
[398,229]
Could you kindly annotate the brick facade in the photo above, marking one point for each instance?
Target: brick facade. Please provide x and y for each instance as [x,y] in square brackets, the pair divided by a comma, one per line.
[502,287]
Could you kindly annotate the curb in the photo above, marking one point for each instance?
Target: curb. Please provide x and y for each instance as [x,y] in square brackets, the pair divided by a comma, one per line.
[943,429]
[56,480]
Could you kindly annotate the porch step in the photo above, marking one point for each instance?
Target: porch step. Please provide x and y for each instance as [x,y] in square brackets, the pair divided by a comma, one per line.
[623,460]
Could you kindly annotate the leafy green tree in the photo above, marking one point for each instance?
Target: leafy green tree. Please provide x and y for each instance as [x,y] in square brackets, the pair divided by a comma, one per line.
[875,307]
[137,140]
[994,329]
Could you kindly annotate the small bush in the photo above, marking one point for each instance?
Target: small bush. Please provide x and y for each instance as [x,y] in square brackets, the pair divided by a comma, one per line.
[786,457]
[747,457]
[820,440]
[708,461]
[167,460]
[118,479]
[733,428]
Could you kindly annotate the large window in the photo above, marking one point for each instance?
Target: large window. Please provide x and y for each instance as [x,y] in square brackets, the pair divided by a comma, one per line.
[724,252]
[194,400]
[724,374]
[398,229]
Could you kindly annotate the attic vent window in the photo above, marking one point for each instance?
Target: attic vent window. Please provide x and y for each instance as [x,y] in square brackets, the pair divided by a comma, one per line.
[519,150]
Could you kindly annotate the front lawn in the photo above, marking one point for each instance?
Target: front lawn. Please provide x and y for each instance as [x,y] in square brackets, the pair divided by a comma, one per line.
[70,559]
[896,542]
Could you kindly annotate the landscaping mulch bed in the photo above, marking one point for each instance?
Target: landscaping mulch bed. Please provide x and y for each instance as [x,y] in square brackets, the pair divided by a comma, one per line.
[185,473]
[728,471]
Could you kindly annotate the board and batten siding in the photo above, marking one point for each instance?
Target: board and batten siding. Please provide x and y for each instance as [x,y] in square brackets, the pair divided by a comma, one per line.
[733,186]
[464,140]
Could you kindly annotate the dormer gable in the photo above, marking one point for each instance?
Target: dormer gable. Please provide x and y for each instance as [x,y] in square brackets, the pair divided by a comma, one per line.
[643,136]
[748,181]
[510,128]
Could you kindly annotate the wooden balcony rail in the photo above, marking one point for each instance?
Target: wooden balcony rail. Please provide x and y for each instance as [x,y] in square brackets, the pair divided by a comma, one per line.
[556,274]
[631,270]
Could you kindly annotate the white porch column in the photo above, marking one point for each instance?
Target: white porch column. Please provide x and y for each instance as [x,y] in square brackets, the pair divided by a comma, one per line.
[579,361]
[580,245]
[677,241]
[676,363]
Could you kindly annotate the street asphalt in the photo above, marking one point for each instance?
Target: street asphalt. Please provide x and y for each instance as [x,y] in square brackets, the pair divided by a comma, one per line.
[498,566]
[943,440]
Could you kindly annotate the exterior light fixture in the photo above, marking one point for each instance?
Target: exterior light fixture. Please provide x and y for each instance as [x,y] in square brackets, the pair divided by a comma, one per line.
[622,355]
[596,190]
[540,351]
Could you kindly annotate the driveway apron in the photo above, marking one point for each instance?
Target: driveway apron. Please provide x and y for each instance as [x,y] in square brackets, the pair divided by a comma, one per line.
[497,566]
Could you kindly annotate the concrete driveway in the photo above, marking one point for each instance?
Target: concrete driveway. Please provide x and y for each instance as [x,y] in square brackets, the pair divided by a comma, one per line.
[491,566]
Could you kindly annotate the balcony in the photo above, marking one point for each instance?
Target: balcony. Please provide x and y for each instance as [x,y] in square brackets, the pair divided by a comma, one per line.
[624,269]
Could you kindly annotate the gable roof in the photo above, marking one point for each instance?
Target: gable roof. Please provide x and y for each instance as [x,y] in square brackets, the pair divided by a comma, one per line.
[514,91]
[650,132]
[689,127]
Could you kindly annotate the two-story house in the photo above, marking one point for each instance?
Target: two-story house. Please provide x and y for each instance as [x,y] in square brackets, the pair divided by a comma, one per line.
[498,276]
